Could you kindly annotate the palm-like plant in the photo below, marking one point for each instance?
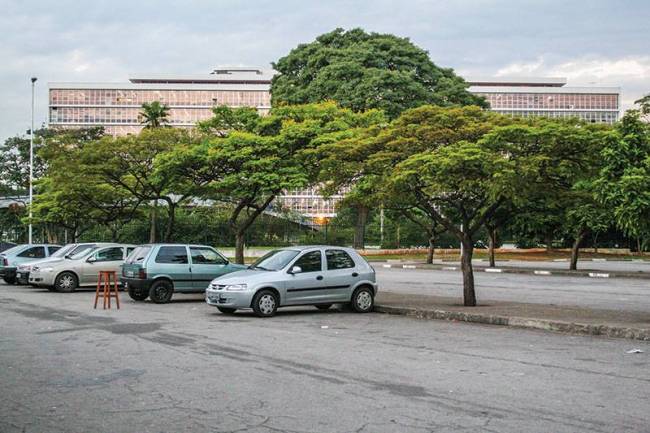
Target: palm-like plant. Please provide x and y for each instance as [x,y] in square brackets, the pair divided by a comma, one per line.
[154,114]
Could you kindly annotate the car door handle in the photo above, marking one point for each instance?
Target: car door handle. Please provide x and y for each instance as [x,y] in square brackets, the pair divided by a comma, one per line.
[354,274]
[320,277]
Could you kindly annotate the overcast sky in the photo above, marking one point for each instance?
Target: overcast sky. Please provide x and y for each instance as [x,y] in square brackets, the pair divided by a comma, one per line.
[588,42]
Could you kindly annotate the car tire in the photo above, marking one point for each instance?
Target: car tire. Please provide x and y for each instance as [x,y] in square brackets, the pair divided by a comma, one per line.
[363,300]
[161,291]
[265,303]
[138,294]
[323,306]
[226,310]
[66,282]
[10,280]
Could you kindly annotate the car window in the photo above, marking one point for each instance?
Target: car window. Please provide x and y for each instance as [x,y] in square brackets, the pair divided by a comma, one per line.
[33,253]
[206,256]
[138,254]
[53,249]
[63,251]
[129,250]
[338,259]
[12,250]
[310,262]
[274,260]
[109,254]
[172,255]
[80,251]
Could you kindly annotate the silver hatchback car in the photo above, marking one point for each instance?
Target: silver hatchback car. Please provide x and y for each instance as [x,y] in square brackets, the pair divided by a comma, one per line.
[314,275]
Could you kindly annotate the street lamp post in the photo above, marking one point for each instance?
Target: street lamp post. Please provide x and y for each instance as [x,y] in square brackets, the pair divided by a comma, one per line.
[31,163]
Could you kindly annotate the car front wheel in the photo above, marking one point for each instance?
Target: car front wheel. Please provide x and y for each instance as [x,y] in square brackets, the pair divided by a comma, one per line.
[265,303]
[363,300]
[66,282]
[10,280]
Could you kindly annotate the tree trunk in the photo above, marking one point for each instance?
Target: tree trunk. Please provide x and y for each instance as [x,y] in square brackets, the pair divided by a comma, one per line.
[492,233]
[575,250]
[152,230]
[360,228]
[171,214]
[548,240]
[432,250]
[239,247]
[469,295]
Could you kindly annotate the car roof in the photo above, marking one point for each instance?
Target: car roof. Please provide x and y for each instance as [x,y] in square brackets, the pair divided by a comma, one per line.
[310,247]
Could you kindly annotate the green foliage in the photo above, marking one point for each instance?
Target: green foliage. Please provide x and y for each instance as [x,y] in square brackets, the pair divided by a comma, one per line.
[362,70]
[154,114]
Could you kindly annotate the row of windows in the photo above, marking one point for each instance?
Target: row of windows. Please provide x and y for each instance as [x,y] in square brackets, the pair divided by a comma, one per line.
[200,256]
[177,116]
[590,116]
[309,205]
[203,98]
[567,101]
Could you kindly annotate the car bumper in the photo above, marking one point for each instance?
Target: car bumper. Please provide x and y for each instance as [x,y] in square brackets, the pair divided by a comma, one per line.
[135,283]
[43,279]
[7,272]
[223,298]
[22,277]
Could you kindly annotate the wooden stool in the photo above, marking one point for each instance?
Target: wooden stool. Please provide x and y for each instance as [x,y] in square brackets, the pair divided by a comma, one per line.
[108,291]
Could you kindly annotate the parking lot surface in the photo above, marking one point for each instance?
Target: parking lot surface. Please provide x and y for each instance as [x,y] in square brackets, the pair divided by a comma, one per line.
[184,367]
[604,293]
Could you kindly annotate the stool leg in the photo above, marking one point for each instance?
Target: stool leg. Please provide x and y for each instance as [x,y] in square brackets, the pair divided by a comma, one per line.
[99,281]
[117,295]
[106,299]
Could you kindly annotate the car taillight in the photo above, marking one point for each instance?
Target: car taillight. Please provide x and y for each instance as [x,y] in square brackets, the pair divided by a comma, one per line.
[142,274]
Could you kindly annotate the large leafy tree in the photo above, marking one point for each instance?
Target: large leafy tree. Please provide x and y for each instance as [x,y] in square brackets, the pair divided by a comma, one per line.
[154,114]
[362,71]
[251,163]
[624,181]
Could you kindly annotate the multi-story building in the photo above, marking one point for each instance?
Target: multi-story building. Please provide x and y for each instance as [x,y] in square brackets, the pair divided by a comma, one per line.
[116,106]
[548,97]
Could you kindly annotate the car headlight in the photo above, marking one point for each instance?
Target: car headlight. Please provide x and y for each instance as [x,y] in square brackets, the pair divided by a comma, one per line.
[236,287]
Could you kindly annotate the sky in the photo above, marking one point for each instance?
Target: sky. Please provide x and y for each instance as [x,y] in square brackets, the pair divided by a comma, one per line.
[590,42]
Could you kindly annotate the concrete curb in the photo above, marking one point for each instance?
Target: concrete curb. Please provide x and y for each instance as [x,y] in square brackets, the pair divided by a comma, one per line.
[520,322]
[529,271]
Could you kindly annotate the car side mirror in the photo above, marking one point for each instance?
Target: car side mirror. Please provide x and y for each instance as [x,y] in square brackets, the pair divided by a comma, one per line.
[91,259]
[295,270]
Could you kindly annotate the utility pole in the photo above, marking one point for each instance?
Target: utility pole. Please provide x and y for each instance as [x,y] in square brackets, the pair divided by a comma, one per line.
[31,164]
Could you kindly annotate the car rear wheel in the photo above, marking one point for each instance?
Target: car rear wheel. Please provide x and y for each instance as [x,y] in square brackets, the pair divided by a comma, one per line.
[161,292]
[324,306]
[66,282]
[226,310]
[138,294]
[10,280]
[265,303]
[363,300]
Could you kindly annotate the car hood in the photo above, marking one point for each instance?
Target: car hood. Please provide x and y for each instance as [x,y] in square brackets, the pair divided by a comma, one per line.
[30,265]
[248,276]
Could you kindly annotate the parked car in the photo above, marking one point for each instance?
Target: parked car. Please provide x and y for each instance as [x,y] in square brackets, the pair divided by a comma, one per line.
[80,268]
[315,275]
[156,271]
[23,270]
[10,259]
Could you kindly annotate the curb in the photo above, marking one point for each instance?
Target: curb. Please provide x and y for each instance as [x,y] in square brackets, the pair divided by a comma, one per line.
[520,322]
[530,271]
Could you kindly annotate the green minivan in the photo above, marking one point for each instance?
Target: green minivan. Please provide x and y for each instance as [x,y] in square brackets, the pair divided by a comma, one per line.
[156,271]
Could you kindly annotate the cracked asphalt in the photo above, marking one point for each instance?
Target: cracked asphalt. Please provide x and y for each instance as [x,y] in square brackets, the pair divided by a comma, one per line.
[184,367]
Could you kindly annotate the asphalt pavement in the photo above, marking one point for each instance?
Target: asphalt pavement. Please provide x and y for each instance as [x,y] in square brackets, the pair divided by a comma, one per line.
[605,293]
[185,367]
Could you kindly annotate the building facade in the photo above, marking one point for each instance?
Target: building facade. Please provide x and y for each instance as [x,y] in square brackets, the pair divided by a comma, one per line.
[116,107]
[549,97]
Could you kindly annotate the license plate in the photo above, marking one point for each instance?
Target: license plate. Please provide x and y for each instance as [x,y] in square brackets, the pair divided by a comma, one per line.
[128,273]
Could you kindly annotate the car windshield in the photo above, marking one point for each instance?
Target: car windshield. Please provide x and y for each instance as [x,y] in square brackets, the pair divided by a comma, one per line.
[275,260]
[61,252]
[138,254]
[15,249]
[81,252]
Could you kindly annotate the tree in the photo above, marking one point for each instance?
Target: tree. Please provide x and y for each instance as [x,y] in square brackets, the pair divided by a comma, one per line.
[154,114]
[624,181]
[249,165]
[362,71]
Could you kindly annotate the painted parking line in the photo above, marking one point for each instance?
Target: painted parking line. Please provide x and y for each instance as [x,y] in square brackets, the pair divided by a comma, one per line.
[449,268]
[493,270]
[598,275]
[542,272]
[387,266]
[408,266]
